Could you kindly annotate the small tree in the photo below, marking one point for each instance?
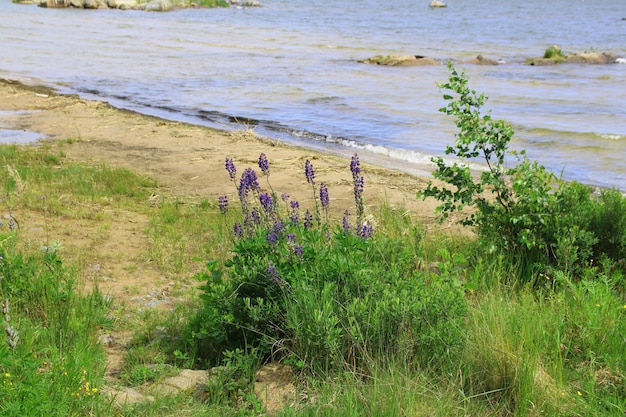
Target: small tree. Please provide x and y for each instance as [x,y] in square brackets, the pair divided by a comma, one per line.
[513,206]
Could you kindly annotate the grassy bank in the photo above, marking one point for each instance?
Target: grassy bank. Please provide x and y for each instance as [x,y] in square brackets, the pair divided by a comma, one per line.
[519,351]
[372,312]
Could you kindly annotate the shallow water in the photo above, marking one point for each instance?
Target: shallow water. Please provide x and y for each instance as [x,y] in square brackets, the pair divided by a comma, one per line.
[290,69]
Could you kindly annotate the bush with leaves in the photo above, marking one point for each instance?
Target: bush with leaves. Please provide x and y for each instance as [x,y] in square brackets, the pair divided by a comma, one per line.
[523,210]
[320,296]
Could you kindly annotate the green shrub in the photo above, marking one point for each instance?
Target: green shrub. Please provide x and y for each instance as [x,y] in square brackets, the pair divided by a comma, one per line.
[523,210]
[554,52]
[324,297]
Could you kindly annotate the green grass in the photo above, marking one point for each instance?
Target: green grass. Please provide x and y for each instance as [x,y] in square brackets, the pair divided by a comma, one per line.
[554,349]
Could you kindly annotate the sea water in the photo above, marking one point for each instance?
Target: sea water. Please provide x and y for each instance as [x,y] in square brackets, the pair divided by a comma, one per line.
[290,70]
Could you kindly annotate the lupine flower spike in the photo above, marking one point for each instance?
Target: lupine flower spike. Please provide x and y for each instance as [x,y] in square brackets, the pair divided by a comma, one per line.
[230,168]
[264,164]
[222,202]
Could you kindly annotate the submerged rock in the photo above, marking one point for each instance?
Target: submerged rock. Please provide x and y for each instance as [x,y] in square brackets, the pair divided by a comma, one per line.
[481,60]
[399,60]
[554,55]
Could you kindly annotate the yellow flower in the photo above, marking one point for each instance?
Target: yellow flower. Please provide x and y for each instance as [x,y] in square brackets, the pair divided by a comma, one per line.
[8,375]
[580,394]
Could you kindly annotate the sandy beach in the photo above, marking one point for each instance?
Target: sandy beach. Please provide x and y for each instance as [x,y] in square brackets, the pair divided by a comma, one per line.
[188,160]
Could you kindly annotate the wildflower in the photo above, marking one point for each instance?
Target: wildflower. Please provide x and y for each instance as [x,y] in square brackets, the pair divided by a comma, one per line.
[359,185]
[346,222]
[291,238]
[12,335]
[278,227]
[294,216]
[271,238]
[222,202]
[308,220]
[355,166]
[273,274]
[264,164]
[309,173]
[284,197]
[298,251]
[249,180]
[238,230]
[365,230]
[358,182]
[324,199]
[266,202]
[230,168]
[254,218]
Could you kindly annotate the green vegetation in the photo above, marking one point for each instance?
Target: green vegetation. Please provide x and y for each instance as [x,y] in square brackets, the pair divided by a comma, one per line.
[554,52]
[50,362]
[523,212]
[375,315]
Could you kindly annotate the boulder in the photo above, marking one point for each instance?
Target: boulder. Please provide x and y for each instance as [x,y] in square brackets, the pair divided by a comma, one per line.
[275,387]
[158,6]
[122,4]
[91,4]
[399,60]
[54,4]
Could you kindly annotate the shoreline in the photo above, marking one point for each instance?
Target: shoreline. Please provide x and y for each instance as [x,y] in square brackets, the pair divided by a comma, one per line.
[188,159]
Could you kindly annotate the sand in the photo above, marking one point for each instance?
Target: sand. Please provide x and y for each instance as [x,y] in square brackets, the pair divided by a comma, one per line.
[187,159]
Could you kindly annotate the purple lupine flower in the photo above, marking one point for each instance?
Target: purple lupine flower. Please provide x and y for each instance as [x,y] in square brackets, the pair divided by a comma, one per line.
[359,185]
[355,165]
[324,200]
[308,220]
[284,197]
[264,164]
[249,180]
[230,168]
[294,217]
[278,227]
[346,222]
[255,217]
[365,230]
[291,238]
[271,238]
[273,275]
[298,250]
[309,172]
[238,230]
[222,202]
[266,202]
